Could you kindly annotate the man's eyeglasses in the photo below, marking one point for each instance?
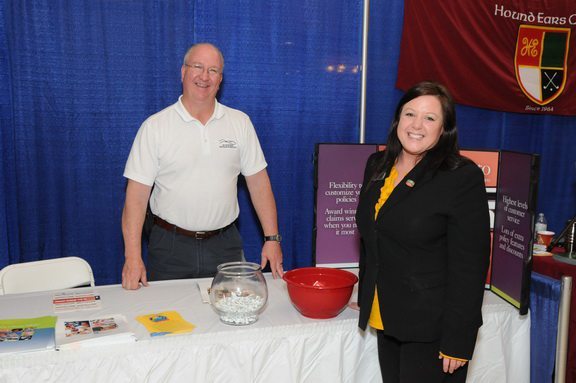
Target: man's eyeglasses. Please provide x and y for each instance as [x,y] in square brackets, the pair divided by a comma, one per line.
[198,68]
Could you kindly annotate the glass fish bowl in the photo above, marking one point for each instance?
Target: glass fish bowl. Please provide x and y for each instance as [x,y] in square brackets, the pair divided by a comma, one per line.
[239,293]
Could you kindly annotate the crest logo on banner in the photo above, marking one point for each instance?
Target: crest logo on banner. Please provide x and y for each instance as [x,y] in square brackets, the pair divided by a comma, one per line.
[541,61]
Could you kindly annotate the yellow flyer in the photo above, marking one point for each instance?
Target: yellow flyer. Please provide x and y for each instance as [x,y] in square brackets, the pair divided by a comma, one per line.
[165,323]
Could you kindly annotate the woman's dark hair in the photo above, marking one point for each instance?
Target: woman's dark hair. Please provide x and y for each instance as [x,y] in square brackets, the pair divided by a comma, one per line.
[445,154]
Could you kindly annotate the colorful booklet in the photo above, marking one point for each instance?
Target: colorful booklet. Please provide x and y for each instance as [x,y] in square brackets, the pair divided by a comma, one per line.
[165,323]
[87,332]
[27,334]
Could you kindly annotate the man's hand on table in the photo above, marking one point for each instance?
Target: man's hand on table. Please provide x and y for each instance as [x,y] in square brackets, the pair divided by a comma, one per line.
[133,273]
[272,252]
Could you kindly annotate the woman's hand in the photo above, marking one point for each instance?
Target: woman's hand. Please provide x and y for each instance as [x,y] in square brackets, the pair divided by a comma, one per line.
[450,365]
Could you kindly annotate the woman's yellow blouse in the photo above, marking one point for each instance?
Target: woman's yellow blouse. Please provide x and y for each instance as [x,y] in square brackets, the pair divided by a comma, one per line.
[375,319]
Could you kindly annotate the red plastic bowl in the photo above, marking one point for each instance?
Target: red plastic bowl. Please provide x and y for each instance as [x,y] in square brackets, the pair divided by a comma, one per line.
[320,292]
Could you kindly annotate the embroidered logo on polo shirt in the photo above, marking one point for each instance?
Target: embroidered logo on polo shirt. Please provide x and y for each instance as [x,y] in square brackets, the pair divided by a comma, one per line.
[227,144]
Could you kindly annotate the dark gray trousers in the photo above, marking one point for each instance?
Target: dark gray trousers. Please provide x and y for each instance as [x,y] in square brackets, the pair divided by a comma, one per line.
[176,256]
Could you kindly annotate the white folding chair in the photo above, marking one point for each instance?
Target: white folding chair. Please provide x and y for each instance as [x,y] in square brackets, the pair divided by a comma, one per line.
[50,274]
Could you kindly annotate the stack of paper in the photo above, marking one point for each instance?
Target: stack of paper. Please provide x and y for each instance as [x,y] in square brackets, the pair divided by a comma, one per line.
[83,332]
[165,323]
[27,334]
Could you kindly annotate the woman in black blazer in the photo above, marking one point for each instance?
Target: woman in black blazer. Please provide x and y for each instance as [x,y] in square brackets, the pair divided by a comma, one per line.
[423,218]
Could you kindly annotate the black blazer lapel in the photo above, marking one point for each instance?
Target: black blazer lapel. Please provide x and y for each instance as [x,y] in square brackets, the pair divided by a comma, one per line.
[412,181]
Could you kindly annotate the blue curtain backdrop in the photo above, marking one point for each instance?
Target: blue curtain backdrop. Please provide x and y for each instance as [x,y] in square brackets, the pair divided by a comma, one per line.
[79,77]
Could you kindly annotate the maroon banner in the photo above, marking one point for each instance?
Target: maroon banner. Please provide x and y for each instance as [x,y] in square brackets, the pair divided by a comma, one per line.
[514,56]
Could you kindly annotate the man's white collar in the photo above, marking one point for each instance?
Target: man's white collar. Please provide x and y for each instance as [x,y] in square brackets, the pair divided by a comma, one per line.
[218,111]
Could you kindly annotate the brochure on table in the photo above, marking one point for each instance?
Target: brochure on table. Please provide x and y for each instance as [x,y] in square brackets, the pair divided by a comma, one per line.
[165,323]
[84,331]
[27,334]
[73,301]
[339,177]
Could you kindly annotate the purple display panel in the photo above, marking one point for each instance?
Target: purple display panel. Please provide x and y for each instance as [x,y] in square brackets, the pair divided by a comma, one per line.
[339,172]
[512,242]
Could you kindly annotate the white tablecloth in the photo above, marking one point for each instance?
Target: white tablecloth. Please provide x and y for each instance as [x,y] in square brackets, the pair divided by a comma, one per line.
[282,346]
[502,353]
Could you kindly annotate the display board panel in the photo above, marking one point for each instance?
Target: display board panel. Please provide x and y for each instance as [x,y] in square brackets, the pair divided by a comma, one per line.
[513,228]
[487,161]
[339,174]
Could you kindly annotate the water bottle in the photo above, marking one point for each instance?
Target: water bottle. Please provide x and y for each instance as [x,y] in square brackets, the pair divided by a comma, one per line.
[541,224]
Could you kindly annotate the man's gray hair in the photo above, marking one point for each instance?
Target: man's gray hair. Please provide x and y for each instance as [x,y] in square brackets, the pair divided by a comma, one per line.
[209,44]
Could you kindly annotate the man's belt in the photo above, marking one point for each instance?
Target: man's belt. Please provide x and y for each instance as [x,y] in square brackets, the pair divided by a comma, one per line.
[189,233]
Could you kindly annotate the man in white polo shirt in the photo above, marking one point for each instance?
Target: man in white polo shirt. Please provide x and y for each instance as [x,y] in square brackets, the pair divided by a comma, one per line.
[192,153]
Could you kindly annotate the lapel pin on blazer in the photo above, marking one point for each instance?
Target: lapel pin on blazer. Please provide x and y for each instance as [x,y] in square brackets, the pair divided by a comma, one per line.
[410,183]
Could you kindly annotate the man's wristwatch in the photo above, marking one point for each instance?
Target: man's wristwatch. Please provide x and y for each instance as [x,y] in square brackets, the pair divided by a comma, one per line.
[276,237]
